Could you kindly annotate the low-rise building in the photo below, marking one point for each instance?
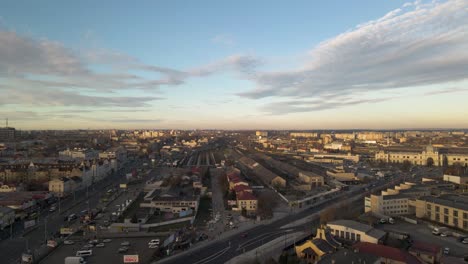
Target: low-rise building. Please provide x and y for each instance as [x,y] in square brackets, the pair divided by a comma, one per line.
[428,253]
[387,254]
[449,209]
[355,231]
[61,187]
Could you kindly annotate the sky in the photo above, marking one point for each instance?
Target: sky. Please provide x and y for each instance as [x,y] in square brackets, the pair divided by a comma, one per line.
[361,64]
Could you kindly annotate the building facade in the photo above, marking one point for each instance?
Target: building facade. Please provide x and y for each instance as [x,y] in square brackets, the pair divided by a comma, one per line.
[426,157]
[449,210]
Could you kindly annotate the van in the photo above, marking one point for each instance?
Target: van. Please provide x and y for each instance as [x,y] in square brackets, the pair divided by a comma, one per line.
[84,253]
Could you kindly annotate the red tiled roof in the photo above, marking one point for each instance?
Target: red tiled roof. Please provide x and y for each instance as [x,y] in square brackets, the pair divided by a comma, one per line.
[425,247]
[242,188]
[386,252]
[245,196]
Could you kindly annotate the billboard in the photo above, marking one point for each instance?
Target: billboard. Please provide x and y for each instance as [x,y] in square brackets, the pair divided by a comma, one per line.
[66,231]
[130,258]
[30,223]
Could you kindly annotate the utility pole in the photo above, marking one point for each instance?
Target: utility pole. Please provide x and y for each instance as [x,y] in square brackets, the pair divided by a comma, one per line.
[45,229]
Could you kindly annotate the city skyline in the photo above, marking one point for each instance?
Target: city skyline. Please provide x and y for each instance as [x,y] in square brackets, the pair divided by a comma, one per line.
[175,65]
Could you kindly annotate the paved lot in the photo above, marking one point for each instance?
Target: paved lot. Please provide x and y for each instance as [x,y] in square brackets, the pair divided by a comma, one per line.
[108,254]
[423,233]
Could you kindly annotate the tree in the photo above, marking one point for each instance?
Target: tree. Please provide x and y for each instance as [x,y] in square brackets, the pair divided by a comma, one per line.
[406,165]
[134,219]
[267,201]
[430,162]
[328,215]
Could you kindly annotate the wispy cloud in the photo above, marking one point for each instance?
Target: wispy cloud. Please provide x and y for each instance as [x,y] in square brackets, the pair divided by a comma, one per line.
[419,44]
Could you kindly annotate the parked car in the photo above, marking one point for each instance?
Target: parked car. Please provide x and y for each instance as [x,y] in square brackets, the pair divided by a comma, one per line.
[100,245]
[123,249]
[88,246]
[125,243]
[107,240]
[68,242]
[465,241]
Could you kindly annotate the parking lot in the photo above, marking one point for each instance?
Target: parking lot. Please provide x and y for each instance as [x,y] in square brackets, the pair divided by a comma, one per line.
[107,254]
[422,232]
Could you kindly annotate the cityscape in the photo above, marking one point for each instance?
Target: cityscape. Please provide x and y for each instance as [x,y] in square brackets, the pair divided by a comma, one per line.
[244,132]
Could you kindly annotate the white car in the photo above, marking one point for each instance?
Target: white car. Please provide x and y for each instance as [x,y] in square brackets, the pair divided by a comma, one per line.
[446,251]
[465,241]
[107,240]
[153,246]
[154,241]
[68,242]
[125,243]
[100,245]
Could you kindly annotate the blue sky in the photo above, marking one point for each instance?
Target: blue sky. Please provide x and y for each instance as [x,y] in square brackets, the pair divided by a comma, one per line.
[234,64]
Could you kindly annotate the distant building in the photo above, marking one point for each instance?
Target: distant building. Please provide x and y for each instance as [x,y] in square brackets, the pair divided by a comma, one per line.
[7,134]
[78,153]
[261,133]
[303,135]
[428,156]
[386,254]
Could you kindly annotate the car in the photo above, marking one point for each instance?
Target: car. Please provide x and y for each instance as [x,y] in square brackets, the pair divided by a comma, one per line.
[88,246]
[443,234]
[125,243]
[93,241]
[84,253]
[100,245]
[383,221]
[465,241]
[446,251]
[435,232]
[107,240]
[154,241]
[52,209]
[153,246]
[123,249]
[68,242]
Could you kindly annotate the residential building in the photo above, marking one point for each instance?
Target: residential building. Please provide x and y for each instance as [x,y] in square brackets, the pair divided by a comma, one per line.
[7,134]
[303,135]
[449,209]
[79,153]
[355,231]
[247,201]
[61,187]
[261,133]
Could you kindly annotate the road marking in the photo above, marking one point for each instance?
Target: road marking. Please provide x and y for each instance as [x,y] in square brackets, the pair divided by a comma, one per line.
[212,257]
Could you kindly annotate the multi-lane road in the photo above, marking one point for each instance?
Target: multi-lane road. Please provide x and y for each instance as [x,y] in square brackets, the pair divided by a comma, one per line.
[49,224]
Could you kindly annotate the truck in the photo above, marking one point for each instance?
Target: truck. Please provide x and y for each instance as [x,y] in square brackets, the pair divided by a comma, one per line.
[75,260]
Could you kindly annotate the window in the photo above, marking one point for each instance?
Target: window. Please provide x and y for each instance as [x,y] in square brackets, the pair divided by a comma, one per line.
[446,219]
[358,237]
[465,224]
[446,211]
[455,222]
[455,213]
[428,207]
[437,217]
[465,215]
[437,208]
